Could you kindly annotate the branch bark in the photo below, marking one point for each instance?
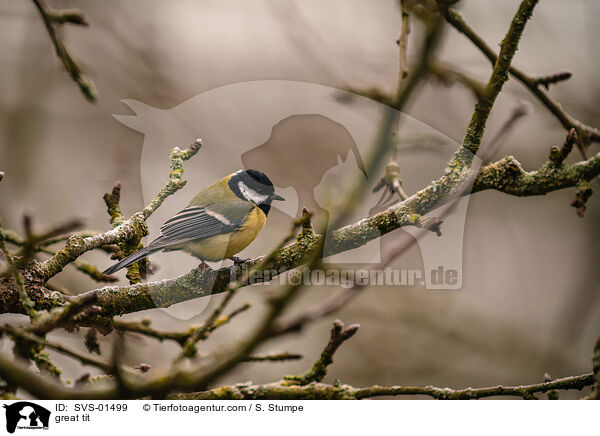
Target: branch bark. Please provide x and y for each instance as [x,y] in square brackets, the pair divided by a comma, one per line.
[53,18]
[532,83]
[323,391]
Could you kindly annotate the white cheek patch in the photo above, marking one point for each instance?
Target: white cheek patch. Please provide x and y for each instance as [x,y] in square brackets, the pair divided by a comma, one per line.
[251,195]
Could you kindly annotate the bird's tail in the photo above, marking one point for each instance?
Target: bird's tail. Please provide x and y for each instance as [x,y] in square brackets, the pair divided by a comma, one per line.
[144,252]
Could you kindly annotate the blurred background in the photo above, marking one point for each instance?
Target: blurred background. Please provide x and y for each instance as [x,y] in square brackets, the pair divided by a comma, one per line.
[529,302]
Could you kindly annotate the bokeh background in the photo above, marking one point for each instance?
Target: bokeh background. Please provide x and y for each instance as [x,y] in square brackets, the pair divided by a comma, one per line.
[529,302]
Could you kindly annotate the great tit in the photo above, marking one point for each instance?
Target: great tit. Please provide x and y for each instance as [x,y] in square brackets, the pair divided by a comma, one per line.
[218,223]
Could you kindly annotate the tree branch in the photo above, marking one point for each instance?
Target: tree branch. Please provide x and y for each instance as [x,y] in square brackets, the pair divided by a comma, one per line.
[508,48]
[532,83]
[24,335]
[505,175]
[127,230]
[508,176]
[319,370]
[31,293]
[595,395]
[52,18]
[322,391]
[181,338]
[274,357]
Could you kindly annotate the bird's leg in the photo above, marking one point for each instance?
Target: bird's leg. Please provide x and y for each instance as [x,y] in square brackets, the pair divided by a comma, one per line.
[238,261]
[238,265]
[204,266]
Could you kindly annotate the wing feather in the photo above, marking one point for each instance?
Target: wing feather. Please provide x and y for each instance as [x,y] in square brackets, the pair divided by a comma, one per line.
[195,222]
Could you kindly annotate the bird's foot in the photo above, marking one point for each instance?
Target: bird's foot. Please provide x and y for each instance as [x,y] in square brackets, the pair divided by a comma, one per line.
[238,261]
[204,266]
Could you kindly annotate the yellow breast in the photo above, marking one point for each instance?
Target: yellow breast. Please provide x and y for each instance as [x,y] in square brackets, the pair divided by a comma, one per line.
[224,246]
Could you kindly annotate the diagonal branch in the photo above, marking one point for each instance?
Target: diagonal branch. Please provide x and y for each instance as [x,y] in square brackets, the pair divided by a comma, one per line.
[508,48]
[532,83]
[24,335]
[181,338]
[317,373]
[129,229]
[53,18]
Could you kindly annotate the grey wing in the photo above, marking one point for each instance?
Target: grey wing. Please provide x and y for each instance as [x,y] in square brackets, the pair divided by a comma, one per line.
[195,223]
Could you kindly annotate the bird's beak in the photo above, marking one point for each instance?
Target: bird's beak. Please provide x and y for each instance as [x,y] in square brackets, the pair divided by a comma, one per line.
[278,197]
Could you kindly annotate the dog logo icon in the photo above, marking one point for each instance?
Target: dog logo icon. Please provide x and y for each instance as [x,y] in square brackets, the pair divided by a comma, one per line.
[26,415]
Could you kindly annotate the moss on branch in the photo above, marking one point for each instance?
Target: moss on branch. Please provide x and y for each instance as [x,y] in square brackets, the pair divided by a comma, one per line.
[508,176]
[508,48]
[505,175]
[317,373]
[26,290]
[455,18]
[338,391]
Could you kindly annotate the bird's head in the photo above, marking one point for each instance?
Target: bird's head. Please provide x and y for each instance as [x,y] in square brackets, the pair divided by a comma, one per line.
[254,186]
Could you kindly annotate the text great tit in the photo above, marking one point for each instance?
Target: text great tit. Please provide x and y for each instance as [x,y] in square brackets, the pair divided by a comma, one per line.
[218,223]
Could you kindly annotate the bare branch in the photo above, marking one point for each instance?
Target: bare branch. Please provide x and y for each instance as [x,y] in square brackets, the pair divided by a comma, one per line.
[24,300]
[52,18]
[499,75]
[458,22]
[322,391]
[274,357]
[24,335]
[595,395]
[403,48]
[505,175]
[59,317]
[552,79]
[508,176]
[31,293]
[129,229]
[71,16]
[112,204]
[317,373]
[448,74]
[558,155]
[176,180]
[181,338]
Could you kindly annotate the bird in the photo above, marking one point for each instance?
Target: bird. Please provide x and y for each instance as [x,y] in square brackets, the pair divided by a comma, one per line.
[218,223]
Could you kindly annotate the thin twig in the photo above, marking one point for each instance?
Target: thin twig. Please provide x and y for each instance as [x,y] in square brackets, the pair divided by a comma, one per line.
[181,338]
[526,391]
[129,229]
[274,357]
[499,76]
[338,391]
[59,317]
[23,334]
[595,395]
[51,19]
[317,373]
[532,83]
[25,301]
[448,74]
